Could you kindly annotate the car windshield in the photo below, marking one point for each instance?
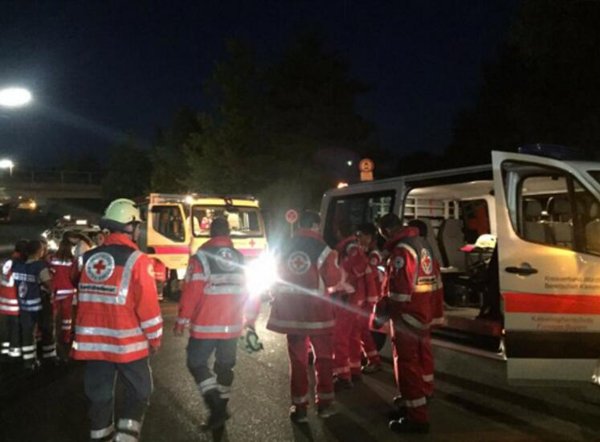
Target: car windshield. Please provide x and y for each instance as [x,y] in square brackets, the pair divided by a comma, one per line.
[243,221]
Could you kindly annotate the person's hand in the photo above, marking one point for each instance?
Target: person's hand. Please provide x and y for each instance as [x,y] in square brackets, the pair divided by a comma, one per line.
[178,329]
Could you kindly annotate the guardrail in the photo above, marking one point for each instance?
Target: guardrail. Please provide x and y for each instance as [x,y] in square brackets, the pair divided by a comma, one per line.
[48,177]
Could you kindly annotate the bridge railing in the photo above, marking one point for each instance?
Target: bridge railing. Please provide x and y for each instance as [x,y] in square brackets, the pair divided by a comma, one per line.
[48,177]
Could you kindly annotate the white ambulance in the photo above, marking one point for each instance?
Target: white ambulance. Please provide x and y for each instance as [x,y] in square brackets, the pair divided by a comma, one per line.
[539,294]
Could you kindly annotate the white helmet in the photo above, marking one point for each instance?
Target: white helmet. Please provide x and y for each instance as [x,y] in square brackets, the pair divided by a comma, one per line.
[119,213]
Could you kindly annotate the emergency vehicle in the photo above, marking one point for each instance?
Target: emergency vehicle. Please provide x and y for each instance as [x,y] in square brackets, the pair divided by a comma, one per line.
[177,225]
[543,208]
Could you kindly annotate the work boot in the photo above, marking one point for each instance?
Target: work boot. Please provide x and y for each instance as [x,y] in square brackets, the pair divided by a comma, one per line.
[217,407]
[371,368]
[325,411]
[341,384]
[128,430]
[404,425]
[298,414]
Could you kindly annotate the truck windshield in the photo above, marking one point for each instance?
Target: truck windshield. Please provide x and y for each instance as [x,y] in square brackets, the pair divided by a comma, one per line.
[243,221]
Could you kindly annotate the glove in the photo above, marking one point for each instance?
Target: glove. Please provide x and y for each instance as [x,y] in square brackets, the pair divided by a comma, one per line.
[250,342]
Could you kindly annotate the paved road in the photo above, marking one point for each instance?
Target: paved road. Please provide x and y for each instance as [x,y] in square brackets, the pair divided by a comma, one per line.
[473,403]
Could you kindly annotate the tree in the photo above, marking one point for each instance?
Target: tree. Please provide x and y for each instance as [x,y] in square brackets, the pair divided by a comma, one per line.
[128,172]
[544,88]
[169,165]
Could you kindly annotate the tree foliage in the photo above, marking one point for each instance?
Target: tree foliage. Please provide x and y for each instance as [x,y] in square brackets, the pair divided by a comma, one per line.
[128,172]
[544,88]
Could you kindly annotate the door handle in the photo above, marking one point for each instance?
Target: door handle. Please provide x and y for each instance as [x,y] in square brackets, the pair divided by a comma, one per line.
[524,270]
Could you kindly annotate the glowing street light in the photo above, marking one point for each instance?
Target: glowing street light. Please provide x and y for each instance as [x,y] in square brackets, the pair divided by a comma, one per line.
[349,163]
[7,164]
[14,97]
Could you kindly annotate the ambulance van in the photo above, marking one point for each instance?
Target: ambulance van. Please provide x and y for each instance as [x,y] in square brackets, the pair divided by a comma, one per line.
[519,246]
[177,225]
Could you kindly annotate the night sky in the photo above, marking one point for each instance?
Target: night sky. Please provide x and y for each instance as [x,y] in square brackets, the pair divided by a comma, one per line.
[101,70]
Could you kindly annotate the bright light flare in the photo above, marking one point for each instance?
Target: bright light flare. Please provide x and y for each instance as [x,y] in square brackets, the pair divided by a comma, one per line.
[342,184]
[189,199]
[14,97]
[261,274]
[6,164]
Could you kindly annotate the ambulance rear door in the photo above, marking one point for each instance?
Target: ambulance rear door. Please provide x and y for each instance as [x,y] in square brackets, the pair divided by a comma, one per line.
[549,266]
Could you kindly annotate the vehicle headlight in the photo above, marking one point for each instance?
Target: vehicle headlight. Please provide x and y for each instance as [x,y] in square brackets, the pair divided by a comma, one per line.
[261,274]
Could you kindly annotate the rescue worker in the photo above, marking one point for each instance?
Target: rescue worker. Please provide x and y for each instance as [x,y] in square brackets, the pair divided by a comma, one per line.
[61,265]
[408,291]
[437,314]
[34,288]
[160,276]
[301,310]
[213,305]
[373,281]
[9,303]
[118,324]
[350,297]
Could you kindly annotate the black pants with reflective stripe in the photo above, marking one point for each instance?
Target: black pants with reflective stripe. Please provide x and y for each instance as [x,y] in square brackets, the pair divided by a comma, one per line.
[13,332]
[99,383]
[44,320]
[199,352]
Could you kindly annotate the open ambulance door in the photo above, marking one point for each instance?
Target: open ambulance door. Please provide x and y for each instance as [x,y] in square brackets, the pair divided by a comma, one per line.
[168,234]
[549,266]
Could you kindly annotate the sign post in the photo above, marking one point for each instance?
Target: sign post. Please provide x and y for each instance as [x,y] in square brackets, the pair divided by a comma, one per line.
[291,216]
[366,167]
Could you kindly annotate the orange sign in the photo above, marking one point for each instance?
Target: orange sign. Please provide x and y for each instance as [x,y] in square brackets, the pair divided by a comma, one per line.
[366,165]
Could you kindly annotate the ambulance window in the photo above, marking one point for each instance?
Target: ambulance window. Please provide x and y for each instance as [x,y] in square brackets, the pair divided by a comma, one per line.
[476,219]
[167,221]
[243,222]
[553,208]
[359,209]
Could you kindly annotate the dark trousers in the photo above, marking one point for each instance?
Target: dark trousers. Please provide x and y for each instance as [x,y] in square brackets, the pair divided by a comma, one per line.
[12,346]
[99,383]
[199,352]
[44,320]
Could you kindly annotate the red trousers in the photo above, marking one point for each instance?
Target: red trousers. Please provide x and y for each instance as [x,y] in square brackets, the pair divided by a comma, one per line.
[368,345]
[409,349]
[322,347]
[346,340]
[64,310]
[428,364]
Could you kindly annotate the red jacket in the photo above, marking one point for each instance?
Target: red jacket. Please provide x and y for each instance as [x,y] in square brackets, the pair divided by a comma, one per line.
[61,277]
[160,270]
[215,301]
[9,302]
[307,267]
[118,317]
[412,279]
[355,265]
[376,276]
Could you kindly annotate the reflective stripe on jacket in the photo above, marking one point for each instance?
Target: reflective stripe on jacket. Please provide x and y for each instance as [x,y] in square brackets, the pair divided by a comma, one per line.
[9,303]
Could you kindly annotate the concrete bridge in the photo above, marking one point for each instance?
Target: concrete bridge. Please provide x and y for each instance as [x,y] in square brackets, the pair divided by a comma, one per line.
[46,185]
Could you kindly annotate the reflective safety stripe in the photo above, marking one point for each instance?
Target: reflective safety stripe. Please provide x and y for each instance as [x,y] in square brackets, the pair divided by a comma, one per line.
[99,434]
[14,352]
[61,263]
[113,333]
[67,321]
[428,378]
[411,320]
[323,256]
[155,335]
[203,262]
[372,353]
[400,297]
[301,325]
[207,385]
[228,289]
[290,289]
[65,291]
[31,301]
[414,403]
[126,277]
[183,321]
[7,308]
[6,344]
[227,278]
[24,277]
[216,328]
[408,248]
[80,263]
[9,283]
[48,347]
[299,400]
[339,370]
[99,288]
[151,322]
[225,391]
[325,396]
[424,288]
[199,277]
[129,425]
[50,354]
[28,348]
[109,348]
[30,355]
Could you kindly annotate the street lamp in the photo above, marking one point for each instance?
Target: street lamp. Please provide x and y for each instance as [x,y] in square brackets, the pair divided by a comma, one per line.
[14,97]
[7,164]
[349,163]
